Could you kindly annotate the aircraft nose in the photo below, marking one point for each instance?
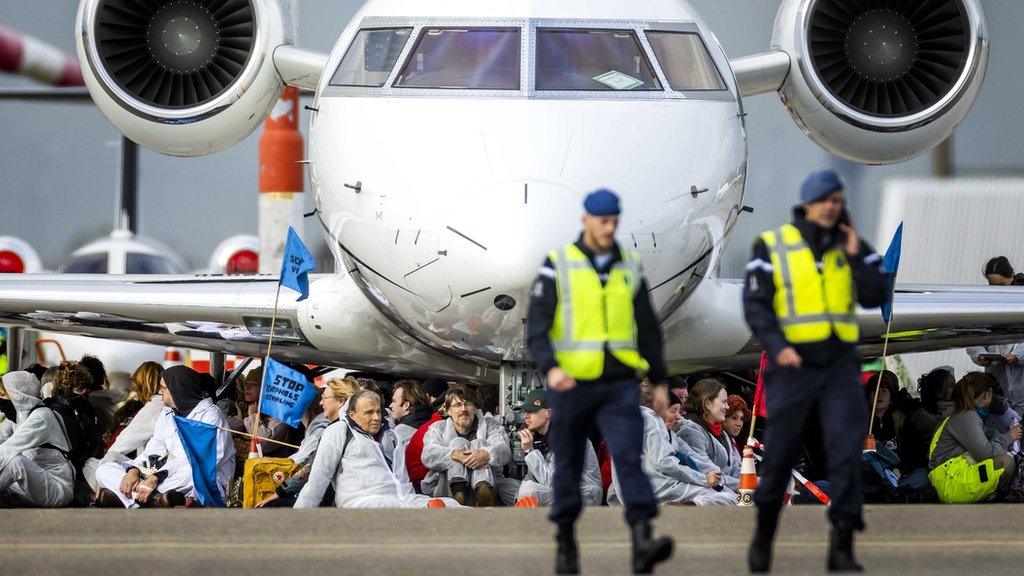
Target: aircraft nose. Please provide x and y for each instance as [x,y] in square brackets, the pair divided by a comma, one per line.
[527,219]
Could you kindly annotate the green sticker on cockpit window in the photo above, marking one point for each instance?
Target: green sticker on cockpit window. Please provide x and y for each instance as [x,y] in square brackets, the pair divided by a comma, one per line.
[618,81]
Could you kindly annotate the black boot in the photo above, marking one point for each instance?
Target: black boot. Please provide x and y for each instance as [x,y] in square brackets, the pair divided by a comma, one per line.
[759,556]
[460,492]
[647,551]
[567,558]
[840,550]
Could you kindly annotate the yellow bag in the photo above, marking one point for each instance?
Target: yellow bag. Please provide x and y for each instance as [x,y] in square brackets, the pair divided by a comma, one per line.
[262,476]
[959,479]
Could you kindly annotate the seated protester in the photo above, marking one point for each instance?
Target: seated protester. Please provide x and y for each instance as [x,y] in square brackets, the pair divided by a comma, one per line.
[966,466]
[673,481]
[487,396]
[1007,369]
[936,390]
[681,388]
[435,389]
[8,415]
[410,409]
[104,400]
[134,422]
[245,418]
[73,382]
[333,399]
[168,480]
[736,418]
[34,464]
[465,454]
[888,419]
[537,487]
[702,430]
[353,460]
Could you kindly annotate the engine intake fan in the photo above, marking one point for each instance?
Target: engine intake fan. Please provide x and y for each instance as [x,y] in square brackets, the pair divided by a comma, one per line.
[889,58]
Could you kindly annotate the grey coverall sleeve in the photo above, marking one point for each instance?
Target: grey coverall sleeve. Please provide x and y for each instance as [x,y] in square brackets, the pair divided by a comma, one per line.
[662,457]
[325,466]
[697,442]
[539,467]
[437,454]
[496,444]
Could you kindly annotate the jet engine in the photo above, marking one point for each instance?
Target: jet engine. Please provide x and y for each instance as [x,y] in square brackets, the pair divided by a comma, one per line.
[881,81]
[182,77]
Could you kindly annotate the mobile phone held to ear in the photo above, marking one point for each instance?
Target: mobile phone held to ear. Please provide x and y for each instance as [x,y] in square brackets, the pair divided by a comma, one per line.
[844,218]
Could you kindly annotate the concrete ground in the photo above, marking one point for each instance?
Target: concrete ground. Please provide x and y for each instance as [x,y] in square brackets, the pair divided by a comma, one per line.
[904,540]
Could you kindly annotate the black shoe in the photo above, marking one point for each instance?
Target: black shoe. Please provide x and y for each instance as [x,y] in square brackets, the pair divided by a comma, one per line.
[648,552]
[460,492]
[759,556]
[840,550]
[567,558]
[107,499]
[483,495]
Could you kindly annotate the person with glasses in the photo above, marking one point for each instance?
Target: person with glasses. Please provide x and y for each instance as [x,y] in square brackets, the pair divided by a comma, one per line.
[465,454]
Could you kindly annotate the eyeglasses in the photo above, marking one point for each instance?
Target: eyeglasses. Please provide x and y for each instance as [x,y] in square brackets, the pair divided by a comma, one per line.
[458,405]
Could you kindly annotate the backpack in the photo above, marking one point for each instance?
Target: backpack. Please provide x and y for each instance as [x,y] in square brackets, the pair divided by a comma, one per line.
[79,428]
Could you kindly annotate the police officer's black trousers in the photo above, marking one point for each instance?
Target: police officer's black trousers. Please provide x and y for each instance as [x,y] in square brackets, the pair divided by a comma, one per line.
[615,408]
[833,395]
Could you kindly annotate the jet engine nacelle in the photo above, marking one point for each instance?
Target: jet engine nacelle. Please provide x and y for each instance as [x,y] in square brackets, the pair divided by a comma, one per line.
[182,77]
[883,81]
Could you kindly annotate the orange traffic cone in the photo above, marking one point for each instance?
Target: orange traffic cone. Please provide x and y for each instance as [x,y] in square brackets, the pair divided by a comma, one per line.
[790,492]
[528,502]
[748,478]
[172,357]
[869,443]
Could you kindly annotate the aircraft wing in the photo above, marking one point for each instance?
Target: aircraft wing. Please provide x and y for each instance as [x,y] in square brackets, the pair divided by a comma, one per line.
[336,326]
[709,331]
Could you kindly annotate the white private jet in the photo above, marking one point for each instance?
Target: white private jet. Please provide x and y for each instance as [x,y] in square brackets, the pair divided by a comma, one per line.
[451,143]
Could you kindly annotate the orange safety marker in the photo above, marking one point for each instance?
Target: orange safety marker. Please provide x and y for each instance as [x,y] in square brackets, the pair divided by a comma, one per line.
[748,478]
[528,502]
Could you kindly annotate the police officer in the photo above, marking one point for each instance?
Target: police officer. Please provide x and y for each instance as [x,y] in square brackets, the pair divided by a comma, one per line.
[802,285]
[593,333]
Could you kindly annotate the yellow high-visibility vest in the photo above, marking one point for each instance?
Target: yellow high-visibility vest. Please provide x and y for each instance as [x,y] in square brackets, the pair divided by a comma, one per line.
[810,303]
[591,317]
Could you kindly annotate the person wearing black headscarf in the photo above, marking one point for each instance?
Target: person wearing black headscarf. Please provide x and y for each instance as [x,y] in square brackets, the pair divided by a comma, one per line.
[162,476]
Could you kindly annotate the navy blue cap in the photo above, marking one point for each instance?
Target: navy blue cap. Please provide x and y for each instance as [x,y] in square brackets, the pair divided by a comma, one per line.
[602,202]
[819,185]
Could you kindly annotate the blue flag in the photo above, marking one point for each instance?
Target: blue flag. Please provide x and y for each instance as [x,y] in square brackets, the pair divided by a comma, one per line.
[891,264]
[296,264]
[200,442]
[286,393]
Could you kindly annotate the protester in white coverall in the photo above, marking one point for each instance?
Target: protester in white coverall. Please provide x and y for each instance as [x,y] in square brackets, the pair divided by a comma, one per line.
[672,481]
[40,476]
[540,468]
[121,483]
[465,454]
[352,459]
[137,433]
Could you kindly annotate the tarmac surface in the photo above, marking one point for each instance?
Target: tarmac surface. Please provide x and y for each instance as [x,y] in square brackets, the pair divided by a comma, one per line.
[904,540]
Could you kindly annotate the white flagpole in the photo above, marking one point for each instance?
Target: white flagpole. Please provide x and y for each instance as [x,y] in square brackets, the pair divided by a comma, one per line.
[266,359]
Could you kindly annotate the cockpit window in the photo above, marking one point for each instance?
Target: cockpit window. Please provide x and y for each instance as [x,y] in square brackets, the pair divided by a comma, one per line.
[686,61]
[371,57]
[463,59]
[592,60]
[139,263]
[86,264]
